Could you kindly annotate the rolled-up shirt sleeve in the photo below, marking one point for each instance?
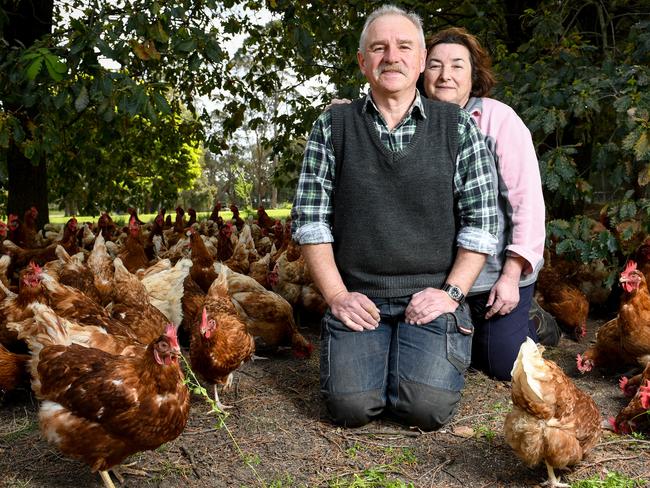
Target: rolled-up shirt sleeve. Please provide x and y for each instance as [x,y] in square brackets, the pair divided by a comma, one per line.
[311,213]
[474,187]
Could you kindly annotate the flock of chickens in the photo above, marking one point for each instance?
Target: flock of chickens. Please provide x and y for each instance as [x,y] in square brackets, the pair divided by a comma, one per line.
[95,317]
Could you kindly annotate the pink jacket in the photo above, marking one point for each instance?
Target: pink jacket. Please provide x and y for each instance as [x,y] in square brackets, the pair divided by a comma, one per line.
[521,202]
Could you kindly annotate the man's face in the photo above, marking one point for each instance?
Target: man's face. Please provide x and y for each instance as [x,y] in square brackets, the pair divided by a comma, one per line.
[393,57]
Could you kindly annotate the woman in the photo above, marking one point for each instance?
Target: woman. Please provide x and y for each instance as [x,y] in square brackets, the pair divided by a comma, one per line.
[458,71]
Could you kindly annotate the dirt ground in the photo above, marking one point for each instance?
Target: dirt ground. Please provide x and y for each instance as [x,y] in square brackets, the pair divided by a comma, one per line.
[276,435]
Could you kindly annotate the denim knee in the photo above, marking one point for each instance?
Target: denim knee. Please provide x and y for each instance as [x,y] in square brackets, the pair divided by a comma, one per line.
[354,409]
[425,407]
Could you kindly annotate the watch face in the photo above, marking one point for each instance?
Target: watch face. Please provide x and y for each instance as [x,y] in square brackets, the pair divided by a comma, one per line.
[454,292]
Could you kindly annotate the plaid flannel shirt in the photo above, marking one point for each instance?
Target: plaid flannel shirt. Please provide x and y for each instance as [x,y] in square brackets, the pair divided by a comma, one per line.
[473,187]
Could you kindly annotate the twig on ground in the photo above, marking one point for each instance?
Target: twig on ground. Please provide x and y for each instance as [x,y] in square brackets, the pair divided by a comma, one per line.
[602,461]
[630,440]
[322,434]
[435,470]
[379,444]
[199,432]
[467,417]
[406,433]
[187,454]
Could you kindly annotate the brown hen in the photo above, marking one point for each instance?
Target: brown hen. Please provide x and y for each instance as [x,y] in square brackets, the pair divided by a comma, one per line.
[551,420]
[268,316]
[14,307]
[13,369]
[133,255]
[564,301]
[634,417]
[132,306]
[634,315]
[202,270]
[219,341]
[22,257]
[101,408]
[606,352]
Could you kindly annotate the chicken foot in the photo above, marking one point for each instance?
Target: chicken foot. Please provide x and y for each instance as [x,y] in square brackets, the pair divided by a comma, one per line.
[122,469]
[220,405]
[553,481]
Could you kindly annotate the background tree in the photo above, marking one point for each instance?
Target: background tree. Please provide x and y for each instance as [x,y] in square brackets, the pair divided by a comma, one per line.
[63,108]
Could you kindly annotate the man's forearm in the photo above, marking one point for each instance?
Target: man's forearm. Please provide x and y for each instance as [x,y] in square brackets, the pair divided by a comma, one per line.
[466,268]
[322,267]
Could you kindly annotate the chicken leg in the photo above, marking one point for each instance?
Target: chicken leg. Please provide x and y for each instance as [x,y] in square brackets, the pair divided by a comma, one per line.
[553,481]
[106,478]
[220,405]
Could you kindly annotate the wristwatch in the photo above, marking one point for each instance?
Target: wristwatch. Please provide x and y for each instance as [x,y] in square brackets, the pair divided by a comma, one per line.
[454,292]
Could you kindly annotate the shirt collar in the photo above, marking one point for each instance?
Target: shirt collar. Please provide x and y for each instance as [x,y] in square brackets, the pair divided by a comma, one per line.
[474,106]
[416,110]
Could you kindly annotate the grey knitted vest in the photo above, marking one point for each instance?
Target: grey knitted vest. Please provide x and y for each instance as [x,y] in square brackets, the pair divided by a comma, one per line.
[394,220]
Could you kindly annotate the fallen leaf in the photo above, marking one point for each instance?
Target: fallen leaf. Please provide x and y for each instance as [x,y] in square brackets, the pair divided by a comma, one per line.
[463,431]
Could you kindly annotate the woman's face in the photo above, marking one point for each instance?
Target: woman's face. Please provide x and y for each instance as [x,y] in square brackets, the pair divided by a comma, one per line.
[448,74]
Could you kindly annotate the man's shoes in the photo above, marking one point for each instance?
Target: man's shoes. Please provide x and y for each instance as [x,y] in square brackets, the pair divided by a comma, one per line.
[548,332]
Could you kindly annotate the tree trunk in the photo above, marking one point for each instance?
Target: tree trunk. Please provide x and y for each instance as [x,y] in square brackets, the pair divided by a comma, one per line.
[27,186]
[28,21]
[514,10]
[274,197]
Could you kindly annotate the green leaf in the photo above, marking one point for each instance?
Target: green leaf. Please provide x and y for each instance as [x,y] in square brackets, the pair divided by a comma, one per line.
[81,102]
[60,99]
[161,103]
[4,136]
[185,46]
[34,68]
[642,146]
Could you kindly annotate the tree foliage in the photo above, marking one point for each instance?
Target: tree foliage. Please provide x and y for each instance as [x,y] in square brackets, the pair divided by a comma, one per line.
[118,135]
[577,73]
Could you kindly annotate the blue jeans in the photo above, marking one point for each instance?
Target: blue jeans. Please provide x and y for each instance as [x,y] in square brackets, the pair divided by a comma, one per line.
[497,340]
[413,372]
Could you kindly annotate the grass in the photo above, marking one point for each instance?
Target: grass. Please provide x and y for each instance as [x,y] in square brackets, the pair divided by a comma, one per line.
[486,431]
[377,476]
[612,479]
[370,478]
[16,483]
[168,468]
[23,429]
[285,482]
[121,219]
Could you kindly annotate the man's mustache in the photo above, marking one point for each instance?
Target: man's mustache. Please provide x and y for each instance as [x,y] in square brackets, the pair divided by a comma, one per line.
[388,68]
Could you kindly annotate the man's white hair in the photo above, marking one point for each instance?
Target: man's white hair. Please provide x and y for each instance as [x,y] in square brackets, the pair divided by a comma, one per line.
[391,10]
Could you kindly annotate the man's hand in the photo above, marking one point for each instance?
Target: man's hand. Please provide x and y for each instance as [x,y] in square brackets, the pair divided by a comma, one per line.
[504,296]
[355,310]
[338,101]
[427,305]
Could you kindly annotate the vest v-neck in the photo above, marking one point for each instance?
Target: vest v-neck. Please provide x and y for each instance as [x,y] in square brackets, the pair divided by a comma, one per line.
[393,156]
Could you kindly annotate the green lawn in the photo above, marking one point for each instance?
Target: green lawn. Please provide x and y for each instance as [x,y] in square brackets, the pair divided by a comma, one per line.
[121,219]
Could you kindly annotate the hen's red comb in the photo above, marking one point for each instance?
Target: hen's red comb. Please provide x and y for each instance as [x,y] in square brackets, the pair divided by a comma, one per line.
[630,266]
[644,393]
[170,332]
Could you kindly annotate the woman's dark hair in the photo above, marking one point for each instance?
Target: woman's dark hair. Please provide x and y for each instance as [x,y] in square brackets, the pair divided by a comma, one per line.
[483,79]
